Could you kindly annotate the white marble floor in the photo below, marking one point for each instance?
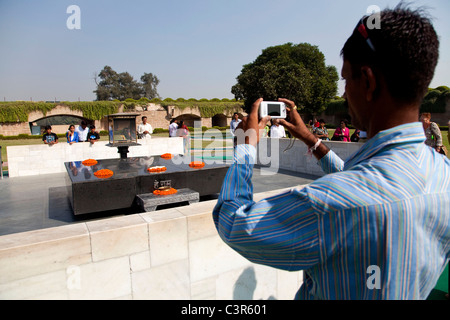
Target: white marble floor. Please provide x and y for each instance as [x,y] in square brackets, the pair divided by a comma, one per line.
[38,202]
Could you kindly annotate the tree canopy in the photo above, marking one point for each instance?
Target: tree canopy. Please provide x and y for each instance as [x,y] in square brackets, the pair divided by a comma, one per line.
[435,101]
[295,72]
[121,86]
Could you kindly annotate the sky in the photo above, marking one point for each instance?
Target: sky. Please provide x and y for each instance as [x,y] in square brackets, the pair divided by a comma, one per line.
[196,48]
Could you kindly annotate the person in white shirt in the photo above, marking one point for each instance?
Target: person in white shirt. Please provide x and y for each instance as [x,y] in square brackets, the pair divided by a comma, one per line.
[234,123]
[83,131]
[145,129]
[277,130]
[173,127]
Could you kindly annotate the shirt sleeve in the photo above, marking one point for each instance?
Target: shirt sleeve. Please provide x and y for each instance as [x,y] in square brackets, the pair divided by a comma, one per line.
[279,231]
[331,163]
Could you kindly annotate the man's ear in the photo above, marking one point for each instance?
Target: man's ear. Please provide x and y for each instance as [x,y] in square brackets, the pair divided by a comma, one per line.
[370,81]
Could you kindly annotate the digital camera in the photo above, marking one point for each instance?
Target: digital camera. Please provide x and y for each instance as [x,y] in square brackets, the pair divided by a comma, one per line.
[276,110]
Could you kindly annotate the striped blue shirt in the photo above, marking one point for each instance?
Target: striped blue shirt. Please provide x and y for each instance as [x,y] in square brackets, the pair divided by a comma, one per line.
[377,226]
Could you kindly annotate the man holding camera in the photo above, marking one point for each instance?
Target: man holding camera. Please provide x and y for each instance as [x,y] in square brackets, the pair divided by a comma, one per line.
[398,219]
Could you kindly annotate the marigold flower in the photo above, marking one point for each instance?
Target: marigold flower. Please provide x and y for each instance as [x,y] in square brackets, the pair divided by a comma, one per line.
[103,174]
[166,156]
[89,162]
[165,192]
[156,169]
[196,164]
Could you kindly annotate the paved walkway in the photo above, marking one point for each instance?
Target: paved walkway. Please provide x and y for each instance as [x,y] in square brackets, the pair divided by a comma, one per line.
[38,202]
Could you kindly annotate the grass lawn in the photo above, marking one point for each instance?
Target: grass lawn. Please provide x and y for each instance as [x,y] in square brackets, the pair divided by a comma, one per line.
[20,142]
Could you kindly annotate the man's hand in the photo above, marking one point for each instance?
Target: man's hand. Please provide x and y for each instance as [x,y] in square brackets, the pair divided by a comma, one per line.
[296,126]
[251,127]
[298,129]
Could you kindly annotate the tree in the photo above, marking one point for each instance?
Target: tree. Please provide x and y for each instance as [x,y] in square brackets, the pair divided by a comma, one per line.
[128,87]
[121,86]
[436,100]
[295,72]
[149,83]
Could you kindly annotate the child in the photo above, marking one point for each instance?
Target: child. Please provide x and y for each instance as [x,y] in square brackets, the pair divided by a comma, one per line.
[93,135]
[49,137]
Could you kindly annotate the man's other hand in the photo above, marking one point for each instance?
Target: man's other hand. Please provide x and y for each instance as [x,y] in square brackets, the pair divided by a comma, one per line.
[250,128]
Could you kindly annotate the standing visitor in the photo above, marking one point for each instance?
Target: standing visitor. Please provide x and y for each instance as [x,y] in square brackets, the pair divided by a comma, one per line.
[277,130]
[387,238]
[173,128]
[432,132]
[83,131]
[145,129]
[93,135]
[183,132]
[49,137]
[234,123]
[72,135]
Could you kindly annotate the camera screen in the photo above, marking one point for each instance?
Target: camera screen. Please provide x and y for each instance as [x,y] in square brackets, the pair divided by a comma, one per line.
[273,110]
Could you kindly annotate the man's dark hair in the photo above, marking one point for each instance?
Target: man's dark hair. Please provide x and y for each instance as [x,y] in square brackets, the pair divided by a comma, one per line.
[405,51]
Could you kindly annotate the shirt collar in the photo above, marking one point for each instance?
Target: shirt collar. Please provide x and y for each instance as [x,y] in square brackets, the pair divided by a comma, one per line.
[404,134]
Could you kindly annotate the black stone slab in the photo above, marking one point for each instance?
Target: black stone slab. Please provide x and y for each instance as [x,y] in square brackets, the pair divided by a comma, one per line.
[90,194]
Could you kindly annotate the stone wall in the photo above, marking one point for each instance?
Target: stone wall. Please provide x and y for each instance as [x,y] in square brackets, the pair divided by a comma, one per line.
[44,159]
[168,254]
[14,129]
[274,154]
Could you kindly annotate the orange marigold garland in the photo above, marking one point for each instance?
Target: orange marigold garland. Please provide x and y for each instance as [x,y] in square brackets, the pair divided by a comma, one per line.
[196,164]
[89,162]
[156,169]
[103,174]
[166,156]
[165,192]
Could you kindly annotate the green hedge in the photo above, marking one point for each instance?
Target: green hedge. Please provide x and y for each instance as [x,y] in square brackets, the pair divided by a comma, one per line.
[18,111]
[436,100]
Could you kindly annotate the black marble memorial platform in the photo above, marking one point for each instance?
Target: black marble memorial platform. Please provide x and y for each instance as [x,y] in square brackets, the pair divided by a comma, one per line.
[89,194]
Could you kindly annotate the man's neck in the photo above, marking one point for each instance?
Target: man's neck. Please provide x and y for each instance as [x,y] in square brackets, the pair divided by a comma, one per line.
[391,114]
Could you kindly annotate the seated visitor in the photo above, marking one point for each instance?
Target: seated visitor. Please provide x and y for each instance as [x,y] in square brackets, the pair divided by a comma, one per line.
[342,133]
[321,131]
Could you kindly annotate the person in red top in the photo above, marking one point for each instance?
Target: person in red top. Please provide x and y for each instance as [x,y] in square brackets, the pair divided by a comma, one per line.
[342,133]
